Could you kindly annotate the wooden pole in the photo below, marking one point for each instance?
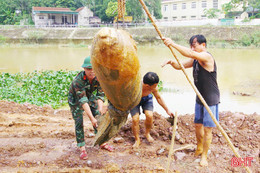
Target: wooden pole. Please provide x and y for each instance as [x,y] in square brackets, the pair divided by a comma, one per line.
[172,142]
[195,89]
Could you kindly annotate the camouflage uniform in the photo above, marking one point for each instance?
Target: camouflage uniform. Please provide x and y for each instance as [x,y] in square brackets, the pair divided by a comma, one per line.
[80,92]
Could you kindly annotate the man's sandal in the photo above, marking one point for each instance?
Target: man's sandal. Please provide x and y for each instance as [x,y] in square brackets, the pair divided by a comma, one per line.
[107,147]
[83,155]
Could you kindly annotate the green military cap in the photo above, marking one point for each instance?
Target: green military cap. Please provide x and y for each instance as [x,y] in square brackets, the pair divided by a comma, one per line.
[87,63]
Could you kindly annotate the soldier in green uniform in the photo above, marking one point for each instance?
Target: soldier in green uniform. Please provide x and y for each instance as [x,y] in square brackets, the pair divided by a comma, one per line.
[85,94]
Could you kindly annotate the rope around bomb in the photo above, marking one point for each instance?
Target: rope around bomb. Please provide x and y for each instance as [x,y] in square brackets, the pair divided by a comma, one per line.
[194,88]
[121,10]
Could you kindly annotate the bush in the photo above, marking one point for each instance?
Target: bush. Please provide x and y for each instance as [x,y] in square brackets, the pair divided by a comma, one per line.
[2,39]
[35,36]
[253,39]
[39,88]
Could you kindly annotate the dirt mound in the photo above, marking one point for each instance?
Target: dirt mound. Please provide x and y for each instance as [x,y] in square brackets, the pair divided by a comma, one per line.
[27,108]
[40,139]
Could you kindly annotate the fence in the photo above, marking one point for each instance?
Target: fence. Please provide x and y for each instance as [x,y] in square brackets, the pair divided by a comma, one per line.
[214,22]
[204,22]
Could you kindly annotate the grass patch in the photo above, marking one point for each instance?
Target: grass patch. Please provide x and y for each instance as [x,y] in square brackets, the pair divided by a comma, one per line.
[252,39]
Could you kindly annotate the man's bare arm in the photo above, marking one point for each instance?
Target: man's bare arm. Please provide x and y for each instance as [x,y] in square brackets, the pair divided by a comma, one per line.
[187,52]
[161,102]
[186,64]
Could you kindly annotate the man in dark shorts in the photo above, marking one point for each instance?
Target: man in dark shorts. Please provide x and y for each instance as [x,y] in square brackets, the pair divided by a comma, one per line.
[150,82]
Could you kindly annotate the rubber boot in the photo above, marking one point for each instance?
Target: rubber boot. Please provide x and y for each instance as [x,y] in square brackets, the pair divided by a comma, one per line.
[206,143]
[199,130]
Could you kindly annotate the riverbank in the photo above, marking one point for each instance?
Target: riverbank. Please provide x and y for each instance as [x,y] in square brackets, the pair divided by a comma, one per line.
[218,36]
[41,139]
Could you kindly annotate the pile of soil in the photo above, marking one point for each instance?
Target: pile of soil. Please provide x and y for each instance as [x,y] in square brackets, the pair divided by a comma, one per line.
[40,139]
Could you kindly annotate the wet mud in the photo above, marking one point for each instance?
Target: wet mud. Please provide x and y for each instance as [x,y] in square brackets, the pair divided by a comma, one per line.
[40,139]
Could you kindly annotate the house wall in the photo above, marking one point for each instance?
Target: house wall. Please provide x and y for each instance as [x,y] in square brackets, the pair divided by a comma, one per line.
[42,19]
[83,16]
[189,9]
[58,18]
[94,20]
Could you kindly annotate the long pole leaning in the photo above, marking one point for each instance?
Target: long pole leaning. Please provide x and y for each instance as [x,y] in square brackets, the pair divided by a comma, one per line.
[194,88]
[172,142]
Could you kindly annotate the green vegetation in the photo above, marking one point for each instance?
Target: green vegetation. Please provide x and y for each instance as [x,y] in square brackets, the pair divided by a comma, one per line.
[160,85]
[162,88]
[249,5]
[12,12]
[2,39]
[35,36]
[211,13]
[111,10]
[249,40]
[39,88]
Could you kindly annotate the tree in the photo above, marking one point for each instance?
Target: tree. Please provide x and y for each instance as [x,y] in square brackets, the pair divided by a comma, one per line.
[254,4]
[65,4]
[231,6]
[154,7]
[134,9]
[211,13]
[112,9]
[100,8]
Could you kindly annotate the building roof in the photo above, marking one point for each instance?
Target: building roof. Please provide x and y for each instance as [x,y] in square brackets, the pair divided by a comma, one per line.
[167,1]
[50,9]
[53,10]
[79,9]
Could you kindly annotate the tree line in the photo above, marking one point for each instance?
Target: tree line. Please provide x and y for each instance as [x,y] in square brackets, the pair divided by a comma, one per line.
[14,11]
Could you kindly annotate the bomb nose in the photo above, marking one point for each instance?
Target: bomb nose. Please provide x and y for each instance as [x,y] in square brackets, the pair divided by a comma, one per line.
[108,36]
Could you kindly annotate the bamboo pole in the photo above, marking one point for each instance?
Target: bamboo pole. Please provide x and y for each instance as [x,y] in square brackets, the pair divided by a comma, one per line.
[182,148]
[172,142]
[195,89]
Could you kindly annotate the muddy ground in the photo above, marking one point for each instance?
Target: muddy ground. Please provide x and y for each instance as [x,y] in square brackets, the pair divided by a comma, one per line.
[40,139]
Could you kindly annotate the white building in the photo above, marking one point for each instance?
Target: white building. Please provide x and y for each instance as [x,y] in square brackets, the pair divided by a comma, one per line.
[85,17]
[189,9]
[52,16]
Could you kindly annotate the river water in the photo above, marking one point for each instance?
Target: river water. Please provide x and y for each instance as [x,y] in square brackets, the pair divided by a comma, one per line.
[238,73]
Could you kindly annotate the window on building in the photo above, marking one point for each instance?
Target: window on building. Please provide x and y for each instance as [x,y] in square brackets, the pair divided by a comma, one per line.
[204,4]
[174,18]
[215,4]
[41,17]
[183,17]
[193,5]
[165,8]
[183,5]
[174,6]
[64,19]
[203,16]
[193,17]
[165,18]
[52,17]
